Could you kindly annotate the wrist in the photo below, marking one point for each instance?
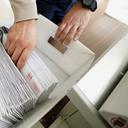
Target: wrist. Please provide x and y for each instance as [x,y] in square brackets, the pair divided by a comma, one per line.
[27,22]
[85,9]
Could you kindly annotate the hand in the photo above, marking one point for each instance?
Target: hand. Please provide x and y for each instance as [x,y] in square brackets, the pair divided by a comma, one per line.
[73,24]
[20,42]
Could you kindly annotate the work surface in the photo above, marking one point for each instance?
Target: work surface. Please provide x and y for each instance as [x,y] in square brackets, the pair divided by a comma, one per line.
[102,39]
[61,65]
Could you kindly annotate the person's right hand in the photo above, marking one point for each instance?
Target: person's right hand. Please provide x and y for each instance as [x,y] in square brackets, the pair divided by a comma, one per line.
[73,24]
[20,42]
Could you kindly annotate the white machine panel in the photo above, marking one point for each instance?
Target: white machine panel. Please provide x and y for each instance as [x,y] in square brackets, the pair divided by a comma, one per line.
[115,108]
[92,90]
[99,80]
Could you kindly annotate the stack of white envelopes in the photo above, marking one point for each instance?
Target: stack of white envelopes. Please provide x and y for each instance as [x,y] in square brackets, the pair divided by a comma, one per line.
[40,79]
[20,91]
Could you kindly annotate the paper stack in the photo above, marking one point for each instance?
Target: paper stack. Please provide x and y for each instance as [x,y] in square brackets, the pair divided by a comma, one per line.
[21,90]
[41,80]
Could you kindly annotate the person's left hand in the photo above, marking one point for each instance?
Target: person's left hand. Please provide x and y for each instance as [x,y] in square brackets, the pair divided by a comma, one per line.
[21,40]
[73,24]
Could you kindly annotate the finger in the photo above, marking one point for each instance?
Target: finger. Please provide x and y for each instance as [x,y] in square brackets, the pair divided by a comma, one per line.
[16,55]
[59,30]
[11,48]
[23,58]
[79,32]
[64,33]
[70,35]
[6,45]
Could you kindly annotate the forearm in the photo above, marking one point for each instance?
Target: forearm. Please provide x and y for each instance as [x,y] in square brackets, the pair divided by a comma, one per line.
[24,9]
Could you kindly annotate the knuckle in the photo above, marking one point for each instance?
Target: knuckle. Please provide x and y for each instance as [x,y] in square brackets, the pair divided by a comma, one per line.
[64,33]
[20,42]
[10,38]
[69,25]
[15,56]
[10,52]
[60,28]
[69,39]
[67,20]
[70,36]
[60,40]
[14,59]
[23,60]
[21,63]
[71,33]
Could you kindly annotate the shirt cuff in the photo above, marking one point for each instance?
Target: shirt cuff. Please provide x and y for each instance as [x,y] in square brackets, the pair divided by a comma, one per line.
[24,10]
